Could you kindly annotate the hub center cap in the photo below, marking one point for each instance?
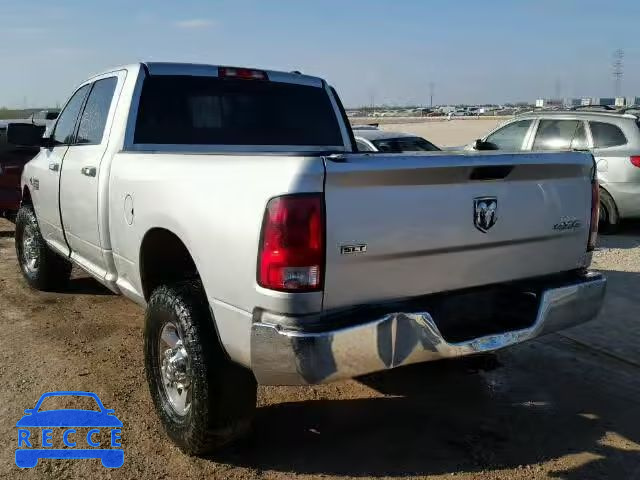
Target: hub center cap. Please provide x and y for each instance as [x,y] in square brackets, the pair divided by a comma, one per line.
[29,249]
[175,369]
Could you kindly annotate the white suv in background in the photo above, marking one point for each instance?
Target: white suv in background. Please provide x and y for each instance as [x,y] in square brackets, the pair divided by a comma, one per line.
[612,136]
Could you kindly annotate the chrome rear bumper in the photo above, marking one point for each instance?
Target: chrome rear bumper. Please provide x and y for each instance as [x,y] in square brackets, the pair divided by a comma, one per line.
[292,357]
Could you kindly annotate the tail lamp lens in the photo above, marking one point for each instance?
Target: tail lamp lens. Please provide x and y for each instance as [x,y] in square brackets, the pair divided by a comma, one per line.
[635,160]
[291,257]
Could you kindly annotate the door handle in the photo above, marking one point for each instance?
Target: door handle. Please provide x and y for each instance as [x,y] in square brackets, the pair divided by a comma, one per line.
[54,167]
[89,171]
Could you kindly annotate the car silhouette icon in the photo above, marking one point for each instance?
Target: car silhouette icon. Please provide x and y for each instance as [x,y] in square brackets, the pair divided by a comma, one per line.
[69,418]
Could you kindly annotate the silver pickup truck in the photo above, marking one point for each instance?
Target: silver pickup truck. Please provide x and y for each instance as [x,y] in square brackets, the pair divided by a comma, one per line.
[232,204]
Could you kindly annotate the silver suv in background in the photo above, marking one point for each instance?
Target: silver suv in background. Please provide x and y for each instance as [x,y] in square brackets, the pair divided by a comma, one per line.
[612,136]
[369,138]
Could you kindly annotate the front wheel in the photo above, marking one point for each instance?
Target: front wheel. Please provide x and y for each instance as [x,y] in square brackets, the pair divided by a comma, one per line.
[203,399]
[41,267]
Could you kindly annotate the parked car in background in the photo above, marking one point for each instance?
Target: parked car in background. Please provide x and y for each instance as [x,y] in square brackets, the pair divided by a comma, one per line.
[44,117]
[12,161]
[612,136]
[369,138]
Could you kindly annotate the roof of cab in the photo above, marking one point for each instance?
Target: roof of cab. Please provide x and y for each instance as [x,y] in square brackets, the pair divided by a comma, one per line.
[205,70]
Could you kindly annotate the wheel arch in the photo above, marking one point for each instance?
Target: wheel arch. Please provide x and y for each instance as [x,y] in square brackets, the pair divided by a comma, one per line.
[164,258]
[613,200]
[26,196]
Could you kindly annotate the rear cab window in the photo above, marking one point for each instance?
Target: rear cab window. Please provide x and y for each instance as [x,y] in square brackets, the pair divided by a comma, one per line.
[199,110]
[606,135]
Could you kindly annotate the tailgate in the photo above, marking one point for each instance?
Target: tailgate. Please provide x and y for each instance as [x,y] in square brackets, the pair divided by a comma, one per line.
[407,225]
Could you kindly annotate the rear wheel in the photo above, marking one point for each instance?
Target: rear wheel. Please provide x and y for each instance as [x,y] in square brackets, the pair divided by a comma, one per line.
[609,219]
[42,268]
[203,399]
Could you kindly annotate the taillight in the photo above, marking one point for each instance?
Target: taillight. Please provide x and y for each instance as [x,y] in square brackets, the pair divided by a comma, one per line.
[595,215]
[635,160]
[291,256]
[241,73]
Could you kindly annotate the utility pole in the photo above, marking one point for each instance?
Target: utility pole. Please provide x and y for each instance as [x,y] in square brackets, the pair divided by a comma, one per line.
[431,88]
[618,71]
[558,88]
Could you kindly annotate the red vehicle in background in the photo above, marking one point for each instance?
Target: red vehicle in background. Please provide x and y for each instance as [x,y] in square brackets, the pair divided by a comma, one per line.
[12,161]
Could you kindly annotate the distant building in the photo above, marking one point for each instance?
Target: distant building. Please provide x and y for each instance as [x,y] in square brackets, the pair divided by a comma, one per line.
[605,101]
[548,102]
[632,101]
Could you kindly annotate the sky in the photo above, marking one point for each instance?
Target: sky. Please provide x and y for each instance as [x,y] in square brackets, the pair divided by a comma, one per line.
[388,52]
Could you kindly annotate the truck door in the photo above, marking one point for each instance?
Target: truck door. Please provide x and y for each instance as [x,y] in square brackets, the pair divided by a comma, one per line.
[46,180]
[81,182]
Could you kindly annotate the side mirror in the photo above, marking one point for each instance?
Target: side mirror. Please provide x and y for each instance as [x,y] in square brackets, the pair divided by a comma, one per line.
[482,145]
[28,411]
[25,134]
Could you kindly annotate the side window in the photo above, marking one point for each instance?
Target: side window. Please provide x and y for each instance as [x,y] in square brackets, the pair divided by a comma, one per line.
[63,133]
[511,136]
[555,134]
[362,146]
[606,135]
[96,111]
[579,141]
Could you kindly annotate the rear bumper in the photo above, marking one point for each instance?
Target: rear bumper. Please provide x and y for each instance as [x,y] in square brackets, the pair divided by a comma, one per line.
[293,357]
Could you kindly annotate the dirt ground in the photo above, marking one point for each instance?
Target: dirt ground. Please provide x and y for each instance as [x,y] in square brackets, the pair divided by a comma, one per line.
[566,406]
[442,132]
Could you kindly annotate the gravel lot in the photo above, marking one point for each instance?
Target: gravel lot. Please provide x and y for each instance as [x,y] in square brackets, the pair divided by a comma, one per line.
[444,133]
[566,406]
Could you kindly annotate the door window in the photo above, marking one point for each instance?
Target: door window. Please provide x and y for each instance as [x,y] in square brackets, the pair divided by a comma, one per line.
[66,125]
[579,141]
[606,135]
[96,111]
[511,136]
[556,134]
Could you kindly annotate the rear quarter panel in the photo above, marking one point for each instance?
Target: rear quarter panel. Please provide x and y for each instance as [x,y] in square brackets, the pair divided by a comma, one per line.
[215,205]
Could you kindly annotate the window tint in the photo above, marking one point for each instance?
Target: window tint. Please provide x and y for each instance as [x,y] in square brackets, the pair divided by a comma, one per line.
[405,144]
[606,135]
[510,137]
[362,146]
[65,127]
[212,111]
[556,134]
[96,111]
